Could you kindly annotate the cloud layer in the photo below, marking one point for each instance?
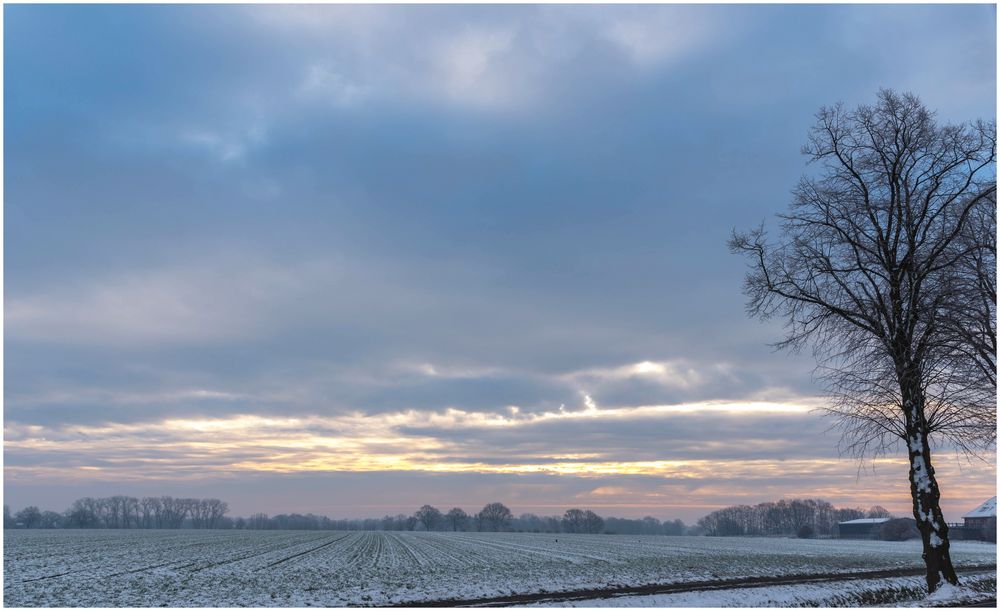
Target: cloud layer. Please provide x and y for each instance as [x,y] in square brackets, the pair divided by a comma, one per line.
[482,248]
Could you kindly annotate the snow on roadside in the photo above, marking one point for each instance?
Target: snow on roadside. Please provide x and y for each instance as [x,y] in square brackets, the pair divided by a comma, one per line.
[897,591]
[948,593]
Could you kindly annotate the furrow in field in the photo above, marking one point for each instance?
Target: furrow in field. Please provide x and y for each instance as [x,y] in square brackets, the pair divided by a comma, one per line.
[323,568]
[362,551]
[407,549]
[303,553]
[105,559]
[344,554]
[261,547]
[416,543]
[445,549]
[372,550]
[547,552]
[377,553]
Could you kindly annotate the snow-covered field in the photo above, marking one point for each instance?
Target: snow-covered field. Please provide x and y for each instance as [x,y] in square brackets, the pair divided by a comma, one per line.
[330,568]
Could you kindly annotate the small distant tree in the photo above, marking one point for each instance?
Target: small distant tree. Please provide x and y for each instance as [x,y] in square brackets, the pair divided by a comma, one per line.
[805,532]
[83,513]
[573,521]
[495,516]
[7,522]
[29,517]
[50,519]
[149,512]
[213,512]
[457,518]
[592,523]
[258,521]
[651,526]
[174,511]
[529,522]
[429,516]
[878,512]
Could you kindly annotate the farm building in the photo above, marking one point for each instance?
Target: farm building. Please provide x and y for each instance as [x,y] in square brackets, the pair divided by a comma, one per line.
[863,528]
[979,524]
[980,516]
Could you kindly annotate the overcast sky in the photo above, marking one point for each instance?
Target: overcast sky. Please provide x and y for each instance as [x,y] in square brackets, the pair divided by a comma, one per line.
[351,260]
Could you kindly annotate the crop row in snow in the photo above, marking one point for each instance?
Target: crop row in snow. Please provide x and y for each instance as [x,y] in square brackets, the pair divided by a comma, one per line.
[335,568]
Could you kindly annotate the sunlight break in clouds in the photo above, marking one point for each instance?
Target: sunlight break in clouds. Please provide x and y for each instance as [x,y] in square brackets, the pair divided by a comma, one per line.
[408,440]
[190,450]
[676,374]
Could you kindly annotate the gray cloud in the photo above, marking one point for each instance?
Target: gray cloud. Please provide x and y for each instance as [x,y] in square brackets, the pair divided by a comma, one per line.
[318,212]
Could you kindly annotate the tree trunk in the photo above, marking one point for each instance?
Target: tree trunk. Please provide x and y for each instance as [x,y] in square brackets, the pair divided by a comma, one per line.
[924,490]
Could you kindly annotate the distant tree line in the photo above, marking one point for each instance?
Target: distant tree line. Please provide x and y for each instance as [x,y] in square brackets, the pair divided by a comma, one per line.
[798,517]
[169,512]
[125,512]
[491,518]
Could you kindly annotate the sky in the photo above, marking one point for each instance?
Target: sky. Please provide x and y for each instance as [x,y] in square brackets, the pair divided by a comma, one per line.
[355,259]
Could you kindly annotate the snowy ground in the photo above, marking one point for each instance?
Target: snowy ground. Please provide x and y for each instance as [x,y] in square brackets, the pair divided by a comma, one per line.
[896,591]
[328,568]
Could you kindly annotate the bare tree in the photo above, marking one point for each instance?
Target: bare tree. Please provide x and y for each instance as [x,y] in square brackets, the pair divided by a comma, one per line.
[50,519]
[151,512]
[573,521]
[29,517]
[174,511]
[197,511]
[84,513]
[878,512]
[592,523]
[457,517]
[869,272]
[428,516]
[495,516]
[774,518]
[968,321]
[107,509]
[216,511]
[130,512]
[257,521]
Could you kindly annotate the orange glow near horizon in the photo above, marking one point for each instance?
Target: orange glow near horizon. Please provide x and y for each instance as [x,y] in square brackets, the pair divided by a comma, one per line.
[196,449]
